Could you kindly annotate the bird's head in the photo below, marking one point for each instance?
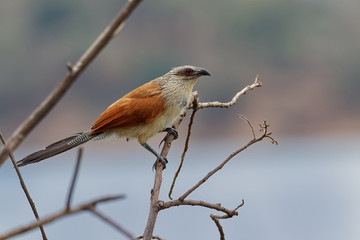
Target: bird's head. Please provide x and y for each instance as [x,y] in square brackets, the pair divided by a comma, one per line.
[183,77]
[188,72]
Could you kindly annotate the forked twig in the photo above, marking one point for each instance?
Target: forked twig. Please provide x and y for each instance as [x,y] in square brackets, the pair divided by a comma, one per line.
[216,218]
[23,186]
[266,134]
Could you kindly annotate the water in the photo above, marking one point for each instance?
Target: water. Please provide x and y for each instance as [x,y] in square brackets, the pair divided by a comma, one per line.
[305,188]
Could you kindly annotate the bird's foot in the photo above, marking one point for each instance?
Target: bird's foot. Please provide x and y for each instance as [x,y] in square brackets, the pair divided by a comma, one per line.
[169,131]
[163,161]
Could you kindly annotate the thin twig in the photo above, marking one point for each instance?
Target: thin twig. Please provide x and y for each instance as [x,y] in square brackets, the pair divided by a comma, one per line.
[44,108]
[111,222]
[186,146]
[76,171]
[221,165]
[63,213]
[249,123]
[23,186]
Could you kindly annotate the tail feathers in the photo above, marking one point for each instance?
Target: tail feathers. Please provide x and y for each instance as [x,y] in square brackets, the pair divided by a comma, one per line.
[56,148]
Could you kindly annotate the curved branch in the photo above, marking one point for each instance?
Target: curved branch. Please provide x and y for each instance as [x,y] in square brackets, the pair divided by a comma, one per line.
[256,83]
[216,206]
[73,72]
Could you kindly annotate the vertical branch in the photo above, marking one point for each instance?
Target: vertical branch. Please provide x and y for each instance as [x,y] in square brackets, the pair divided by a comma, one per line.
[27,194]
[73,72]
[72,185]
[155,191]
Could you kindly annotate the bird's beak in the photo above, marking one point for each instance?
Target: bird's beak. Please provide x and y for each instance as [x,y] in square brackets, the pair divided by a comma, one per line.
[203,71]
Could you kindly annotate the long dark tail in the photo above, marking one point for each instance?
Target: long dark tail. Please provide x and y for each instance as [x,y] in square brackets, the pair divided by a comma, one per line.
[56,148]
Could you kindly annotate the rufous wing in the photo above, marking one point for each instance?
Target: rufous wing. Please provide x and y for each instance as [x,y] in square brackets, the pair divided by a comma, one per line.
[140,106]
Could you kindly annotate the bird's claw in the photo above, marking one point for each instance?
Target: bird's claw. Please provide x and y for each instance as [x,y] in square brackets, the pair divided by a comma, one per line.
[169,131]
[163,161]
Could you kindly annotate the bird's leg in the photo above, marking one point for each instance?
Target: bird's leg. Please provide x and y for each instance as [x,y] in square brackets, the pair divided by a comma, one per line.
[160,158]
[169,130]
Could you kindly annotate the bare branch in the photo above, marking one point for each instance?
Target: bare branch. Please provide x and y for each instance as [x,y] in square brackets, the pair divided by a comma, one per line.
[63,213]
[179,202]
[73,72]
[76,171]
[111,222]
[152,237]
[155,191]
[23,186]
[256,83]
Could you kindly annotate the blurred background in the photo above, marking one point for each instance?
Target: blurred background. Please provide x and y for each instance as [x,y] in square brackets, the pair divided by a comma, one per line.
[307,54]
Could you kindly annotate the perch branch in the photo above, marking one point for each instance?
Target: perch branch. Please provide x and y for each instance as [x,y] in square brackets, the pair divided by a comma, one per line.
[155,191]
[73,72]
[23,186]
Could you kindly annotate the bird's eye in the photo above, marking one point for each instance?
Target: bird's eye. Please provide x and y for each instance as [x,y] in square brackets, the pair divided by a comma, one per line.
[188,71]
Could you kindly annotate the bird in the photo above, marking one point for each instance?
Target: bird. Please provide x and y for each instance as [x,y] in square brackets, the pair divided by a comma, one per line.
[140,114]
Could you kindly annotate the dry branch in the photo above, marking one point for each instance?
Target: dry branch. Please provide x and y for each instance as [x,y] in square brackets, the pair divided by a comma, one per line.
[155,191]
[23,186]
[63,213]
[256,83]
[73,72]
[215,206]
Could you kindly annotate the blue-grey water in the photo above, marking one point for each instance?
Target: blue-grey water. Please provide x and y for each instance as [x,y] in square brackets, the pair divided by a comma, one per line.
[304,188]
